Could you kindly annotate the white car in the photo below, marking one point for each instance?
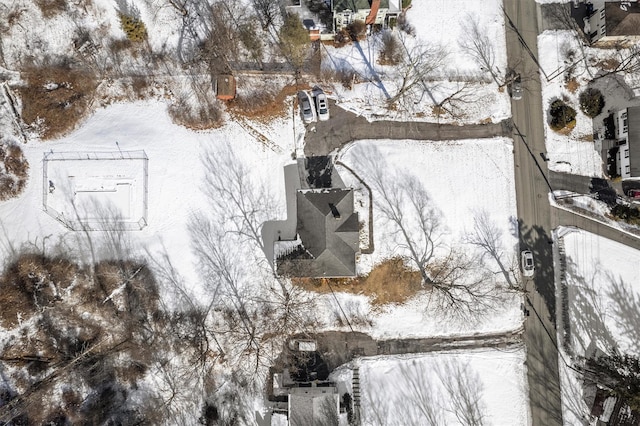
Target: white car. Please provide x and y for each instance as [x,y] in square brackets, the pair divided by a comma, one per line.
[528,266]
[308,112]
[322,107]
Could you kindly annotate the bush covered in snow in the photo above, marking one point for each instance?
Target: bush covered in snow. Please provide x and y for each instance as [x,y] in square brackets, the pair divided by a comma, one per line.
[93,345]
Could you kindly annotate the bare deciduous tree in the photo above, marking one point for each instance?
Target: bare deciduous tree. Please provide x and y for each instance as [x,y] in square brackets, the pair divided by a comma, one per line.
[418,232]
[488,237]
[268,12]
[479,46]
[464,388]
[416,65]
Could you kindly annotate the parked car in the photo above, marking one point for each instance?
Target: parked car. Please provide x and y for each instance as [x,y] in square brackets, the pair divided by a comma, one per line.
[307,111]
[322,107]
[634,193]
[528,267]
[516,88]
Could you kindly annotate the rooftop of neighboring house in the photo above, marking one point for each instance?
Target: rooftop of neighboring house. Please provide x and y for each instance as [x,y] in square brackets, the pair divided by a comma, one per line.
[622,19]
[355,5]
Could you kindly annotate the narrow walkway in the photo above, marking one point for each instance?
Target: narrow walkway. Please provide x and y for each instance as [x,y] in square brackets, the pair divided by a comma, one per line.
[561,217]
[344,127]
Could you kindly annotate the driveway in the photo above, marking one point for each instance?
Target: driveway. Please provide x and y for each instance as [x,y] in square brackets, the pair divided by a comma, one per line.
[324,137]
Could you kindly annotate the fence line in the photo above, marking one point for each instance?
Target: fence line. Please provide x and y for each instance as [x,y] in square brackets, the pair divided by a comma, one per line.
[97,155]
[77,224]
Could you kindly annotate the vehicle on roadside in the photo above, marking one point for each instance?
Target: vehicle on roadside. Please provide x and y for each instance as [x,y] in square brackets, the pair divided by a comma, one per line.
[516,88]
[322,107]
[634,193]
[306,109]
[528,266]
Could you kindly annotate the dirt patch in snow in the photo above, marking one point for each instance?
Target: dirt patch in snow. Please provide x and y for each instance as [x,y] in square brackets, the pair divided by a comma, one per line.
[391,281]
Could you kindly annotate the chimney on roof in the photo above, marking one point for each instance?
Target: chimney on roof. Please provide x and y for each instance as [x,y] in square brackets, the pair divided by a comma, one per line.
[334,211]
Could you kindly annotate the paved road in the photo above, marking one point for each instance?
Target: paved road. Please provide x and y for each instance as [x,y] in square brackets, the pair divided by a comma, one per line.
[345,127]
[534,217]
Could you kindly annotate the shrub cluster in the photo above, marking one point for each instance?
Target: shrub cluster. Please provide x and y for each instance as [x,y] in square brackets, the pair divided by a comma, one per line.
[591,102]
[133,27]
[628,214]
[14,171]
[562,115]
[57,95]
[51,8]
[391,51]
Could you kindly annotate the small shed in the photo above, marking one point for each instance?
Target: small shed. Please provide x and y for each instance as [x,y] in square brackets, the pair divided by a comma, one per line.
[225,87]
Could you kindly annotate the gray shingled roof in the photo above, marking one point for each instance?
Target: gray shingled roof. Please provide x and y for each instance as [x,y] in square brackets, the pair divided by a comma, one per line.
[633,117]
[332,241]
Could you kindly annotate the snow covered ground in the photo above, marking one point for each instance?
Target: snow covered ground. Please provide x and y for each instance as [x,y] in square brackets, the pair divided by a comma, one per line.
[417,389]
[485,186]
[603,279]
[438,24]
[175,174]
[571,68]
[603,290]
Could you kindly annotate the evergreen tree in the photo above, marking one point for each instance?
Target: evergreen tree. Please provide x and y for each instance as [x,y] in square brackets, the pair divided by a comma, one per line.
[618,372]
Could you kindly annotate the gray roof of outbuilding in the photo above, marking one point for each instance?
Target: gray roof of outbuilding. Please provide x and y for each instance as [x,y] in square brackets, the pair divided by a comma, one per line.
[633,117]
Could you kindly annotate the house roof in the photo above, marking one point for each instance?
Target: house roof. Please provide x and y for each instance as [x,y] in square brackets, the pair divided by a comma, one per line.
[622,21]
[328,228]
[353,5]
[633,117]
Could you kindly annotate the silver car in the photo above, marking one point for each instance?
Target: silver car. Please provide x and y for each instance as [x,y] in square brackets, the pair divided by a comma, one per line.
[307,111]
[322,106]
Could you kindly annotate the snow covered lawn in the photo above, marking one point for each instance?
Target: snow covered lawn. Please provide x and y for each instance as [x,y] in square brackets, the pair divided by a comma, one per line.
[446,387]
[571,68]
[603,289]
[175,173]
[461,179]
[439,24]
[603,280]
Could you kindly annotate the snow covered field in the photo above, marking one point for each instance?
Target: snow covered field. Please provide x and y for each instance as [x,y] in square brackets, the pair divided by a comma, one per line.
[603,279]
[448,387]
[175,174]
